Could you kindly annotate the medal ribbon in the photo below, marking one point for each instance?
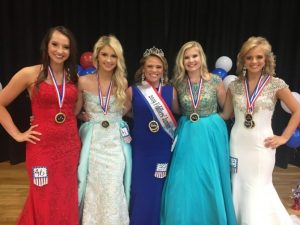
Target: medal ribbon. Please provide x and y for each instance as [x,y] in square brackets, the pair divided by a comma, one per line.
[104,105]
[196,101]
[257,91]
[158,106]
[60,96]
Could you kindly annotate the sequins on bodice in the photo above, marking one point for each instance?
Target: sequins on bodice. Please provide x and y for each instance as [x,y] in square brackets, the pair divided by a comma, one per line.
[264,105]
[93,108]
[208,98]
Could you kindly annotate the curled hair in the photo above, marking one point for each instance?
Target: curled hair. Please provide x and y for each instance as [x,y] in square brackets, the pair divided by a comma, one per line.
[119,74]
[69,65]
[139,72]
[179,70]
[250,44]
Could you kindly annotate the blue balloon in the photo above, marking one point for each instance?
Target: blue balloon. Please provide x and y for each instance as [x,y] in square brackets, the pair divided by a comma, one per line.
[86,71]
[79,69]
[294,141]
[220,72]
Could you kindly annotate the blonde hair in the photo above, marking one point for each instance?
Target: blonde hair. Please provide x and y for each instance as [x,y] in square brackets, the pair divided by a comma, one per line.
[179,70]
[119,75]
[250,44]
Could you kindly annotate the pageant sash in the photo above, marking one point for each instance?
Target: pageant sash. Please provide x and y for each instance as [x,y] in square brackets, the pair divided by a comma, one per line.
[158,107]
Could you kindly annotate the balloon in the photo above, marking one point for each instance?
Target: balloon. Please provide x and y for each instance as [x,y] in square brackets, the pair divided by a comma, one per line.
[221,72]
[284,107]
[294,141]
[79,69]
[87,71]
[228,79]
[224,62]
[86,60]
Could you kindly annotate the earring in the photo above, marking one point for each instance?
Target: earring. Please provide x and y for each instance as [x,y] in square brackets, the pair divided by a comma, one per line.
[162,80]
[244,71]
[143,77]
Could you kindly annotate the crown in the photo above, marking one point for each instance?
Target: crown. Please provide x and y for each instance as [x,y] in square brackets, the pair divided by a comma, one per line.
[154,51]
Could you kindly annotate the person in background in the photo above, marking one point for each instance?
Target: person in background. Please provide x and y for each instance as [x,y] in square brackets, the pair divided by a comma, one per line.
[198,189]
[105,162]
[53,143]
[151,99]
[252,143]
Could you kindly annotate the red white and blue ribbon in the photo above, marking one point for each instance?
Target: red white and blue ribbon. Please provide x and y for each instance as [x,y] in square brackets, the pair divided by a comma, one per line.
[195,101]
[257,91]
[104,104]
[158,106]
[60,96]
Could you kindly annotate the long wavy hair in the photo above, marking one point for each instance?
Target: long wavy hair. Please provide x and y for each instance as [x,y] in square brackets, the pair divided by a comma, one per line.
[119,74]
[250,44]
[139,72]
[69,65]
[179,70]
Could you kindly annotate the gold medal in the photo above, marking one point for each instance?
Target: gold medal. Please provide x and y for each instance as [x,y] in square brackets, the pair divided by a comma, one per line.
[105,124]
[248,124]
[60,117]
[248,117]
[153,126]
[194,117]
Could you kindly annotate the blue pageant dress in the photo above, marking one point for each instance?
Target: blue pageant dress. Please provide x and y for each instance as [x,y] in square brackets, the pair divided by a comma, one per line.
[150,153]
[197,189]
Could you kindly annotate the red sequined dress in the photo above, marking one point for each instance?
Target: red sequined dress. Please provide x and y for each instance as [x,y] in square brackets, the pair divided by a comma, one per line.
[52,162]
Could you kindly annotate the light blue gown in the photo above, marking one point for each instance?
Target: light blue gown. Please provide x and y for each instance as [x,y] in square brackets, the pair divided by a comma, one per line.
[105,166]
[197,190]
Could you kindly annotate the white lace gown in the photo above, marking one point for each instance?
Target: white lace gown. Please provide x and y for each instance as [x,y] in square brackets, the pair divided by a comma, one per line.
[105,201]
[255,198]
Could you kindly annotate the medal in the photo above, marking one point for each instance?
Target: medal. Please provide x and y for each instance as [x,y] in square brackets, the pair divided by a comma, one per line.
[59,117]
[104,104]
[153,126]
[195,102]
[248,117]
[194,117]
[105,124]
[249,122]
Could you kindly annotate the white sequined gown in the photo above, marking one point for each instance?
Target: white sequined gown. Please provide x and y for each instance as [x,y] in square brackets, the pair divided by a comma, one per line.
[255,198]
[104,201]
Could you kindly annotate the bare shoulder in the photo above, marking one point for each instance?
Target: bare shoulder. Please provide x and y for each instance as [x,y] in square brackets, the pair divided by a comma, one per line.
[28,74]
[22,80]
[86,81]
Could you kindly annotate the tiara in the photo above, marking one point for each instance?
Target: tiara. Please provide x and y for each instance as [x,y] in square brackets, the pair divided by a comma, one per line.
[154,51]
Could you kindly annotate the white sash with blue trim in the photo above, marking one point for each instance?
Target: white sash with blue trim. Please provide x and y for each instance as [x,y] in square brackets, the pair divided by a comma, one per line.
[159,108]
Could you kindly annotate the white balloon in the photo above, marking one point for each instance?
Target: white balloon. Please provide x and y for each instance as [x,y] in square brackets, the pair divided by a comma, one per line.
[285,108]
[228,79]
[224,62]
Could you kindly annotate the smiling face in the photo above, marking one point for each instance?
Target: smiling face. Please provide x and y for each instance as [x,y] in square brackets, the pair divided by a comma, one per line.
[107,59]
[191,60]
[58,48]
[153,70]
[255,60]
